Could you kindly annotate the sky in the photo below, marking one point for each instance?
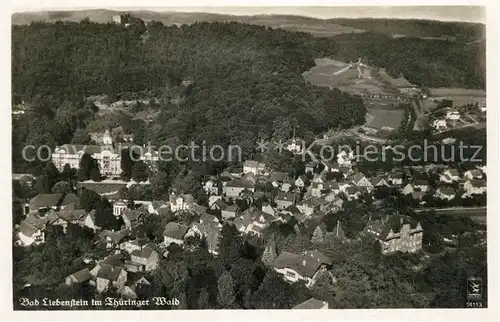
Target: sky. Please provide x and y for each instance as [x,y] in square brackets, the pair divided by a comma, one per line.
[444,13]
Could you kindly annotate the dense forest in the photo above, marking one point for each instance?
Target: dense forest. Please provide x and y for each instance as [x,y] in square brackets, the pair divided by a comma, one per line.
[246,80]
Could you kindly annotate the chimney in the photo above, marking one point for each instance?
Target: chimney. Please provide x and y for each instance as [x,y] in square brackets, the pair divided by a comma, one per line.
[303,262]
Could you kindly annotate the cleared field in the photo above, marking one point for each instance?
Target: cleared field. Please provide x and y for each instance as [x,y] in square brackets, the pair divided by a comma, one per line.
[380,118]
[368,86]
[330,73]
[457,92]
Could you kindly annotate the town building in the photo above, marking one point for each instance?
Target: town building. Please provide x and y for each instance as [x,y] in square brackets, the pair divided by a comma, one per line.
[304,267]
[312,303]
[407,240]
[107,155]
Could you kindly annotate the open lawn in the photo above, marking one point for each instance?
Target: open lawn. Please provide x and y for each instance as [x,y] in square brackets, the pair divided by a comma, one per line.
[380,118]
[329,73]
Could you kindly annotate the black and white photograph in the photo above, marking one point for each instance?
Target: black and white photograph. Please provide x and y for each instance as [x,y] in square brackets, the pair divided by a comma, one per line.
[249,158]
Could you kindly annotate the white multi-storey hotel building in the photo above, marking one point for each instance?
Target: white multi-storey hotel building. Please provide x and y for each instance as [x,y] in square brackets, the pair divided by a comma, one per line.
[107,156]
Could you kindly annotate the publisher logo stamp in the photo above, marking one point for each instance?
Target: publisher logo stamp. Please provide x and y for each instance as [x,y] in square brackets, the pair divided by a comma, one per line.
[474,291]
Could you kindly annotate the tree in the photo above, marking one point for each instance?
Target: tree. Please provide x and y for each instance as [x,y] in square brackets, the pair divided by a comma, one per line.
[89,199]
[140,171]
[126,163]
[204,300]
[269,253]
[87,164]
[62,187]
[317,236]
[95,175]
[226,293]
[275,293]
[104,217]
[230,245]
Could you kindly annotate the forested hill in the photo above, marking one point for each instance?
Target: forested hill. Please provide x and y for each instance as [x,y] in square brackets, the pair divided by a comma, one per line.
[246,80]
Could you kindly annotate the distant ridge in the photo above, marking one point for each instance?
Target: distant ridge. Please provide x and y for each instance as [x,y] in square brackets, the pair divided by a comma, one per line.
[316,26]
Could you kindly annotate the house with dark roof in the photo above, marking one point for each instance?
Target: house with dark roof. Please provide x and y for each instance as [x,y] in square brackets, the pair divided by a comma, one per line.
[174,233]
[310,166]
[311,304]
[208,229]
[475,186]
[445,193]
[353,193]
[67,216]
[29,234]
[212,186]
[144,259]
[235,187]
[24,179]
[155,207]
[255,167]
[305,267]
[113,239]
[309,205]
[359,180]
[212,200]
[135,281]
[395,178]
[379,182]
[268,209]
[132,217]
[109,275]
[302,181]
[449,176]
[229,212]
[180,202]
[259,223]
[52,201]
[79,277]
[284,200]
[407,240]
[473,174]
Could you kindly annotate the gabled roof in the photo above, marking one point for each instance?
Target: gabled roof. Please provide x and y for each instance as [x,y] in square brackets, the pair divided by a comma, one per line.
[175,230]
[27,229]
[143,253]
[278,176]
[420,183]
[250,163]
[312,303]
[82,275]
[115,236]
[72,215]
[209,219]
[132,215]
[69,198]
[417,195]
[238,183]
[447,191]
[357,177]
[306,264]
[46,200]
[285,196]
[377,229]
[478,183]
[109,272]
[475,173]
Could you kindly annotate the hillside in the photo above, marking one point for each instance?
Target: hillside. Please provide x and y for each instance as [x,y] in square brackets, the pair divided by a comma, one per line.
[317,27]
[426,29]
